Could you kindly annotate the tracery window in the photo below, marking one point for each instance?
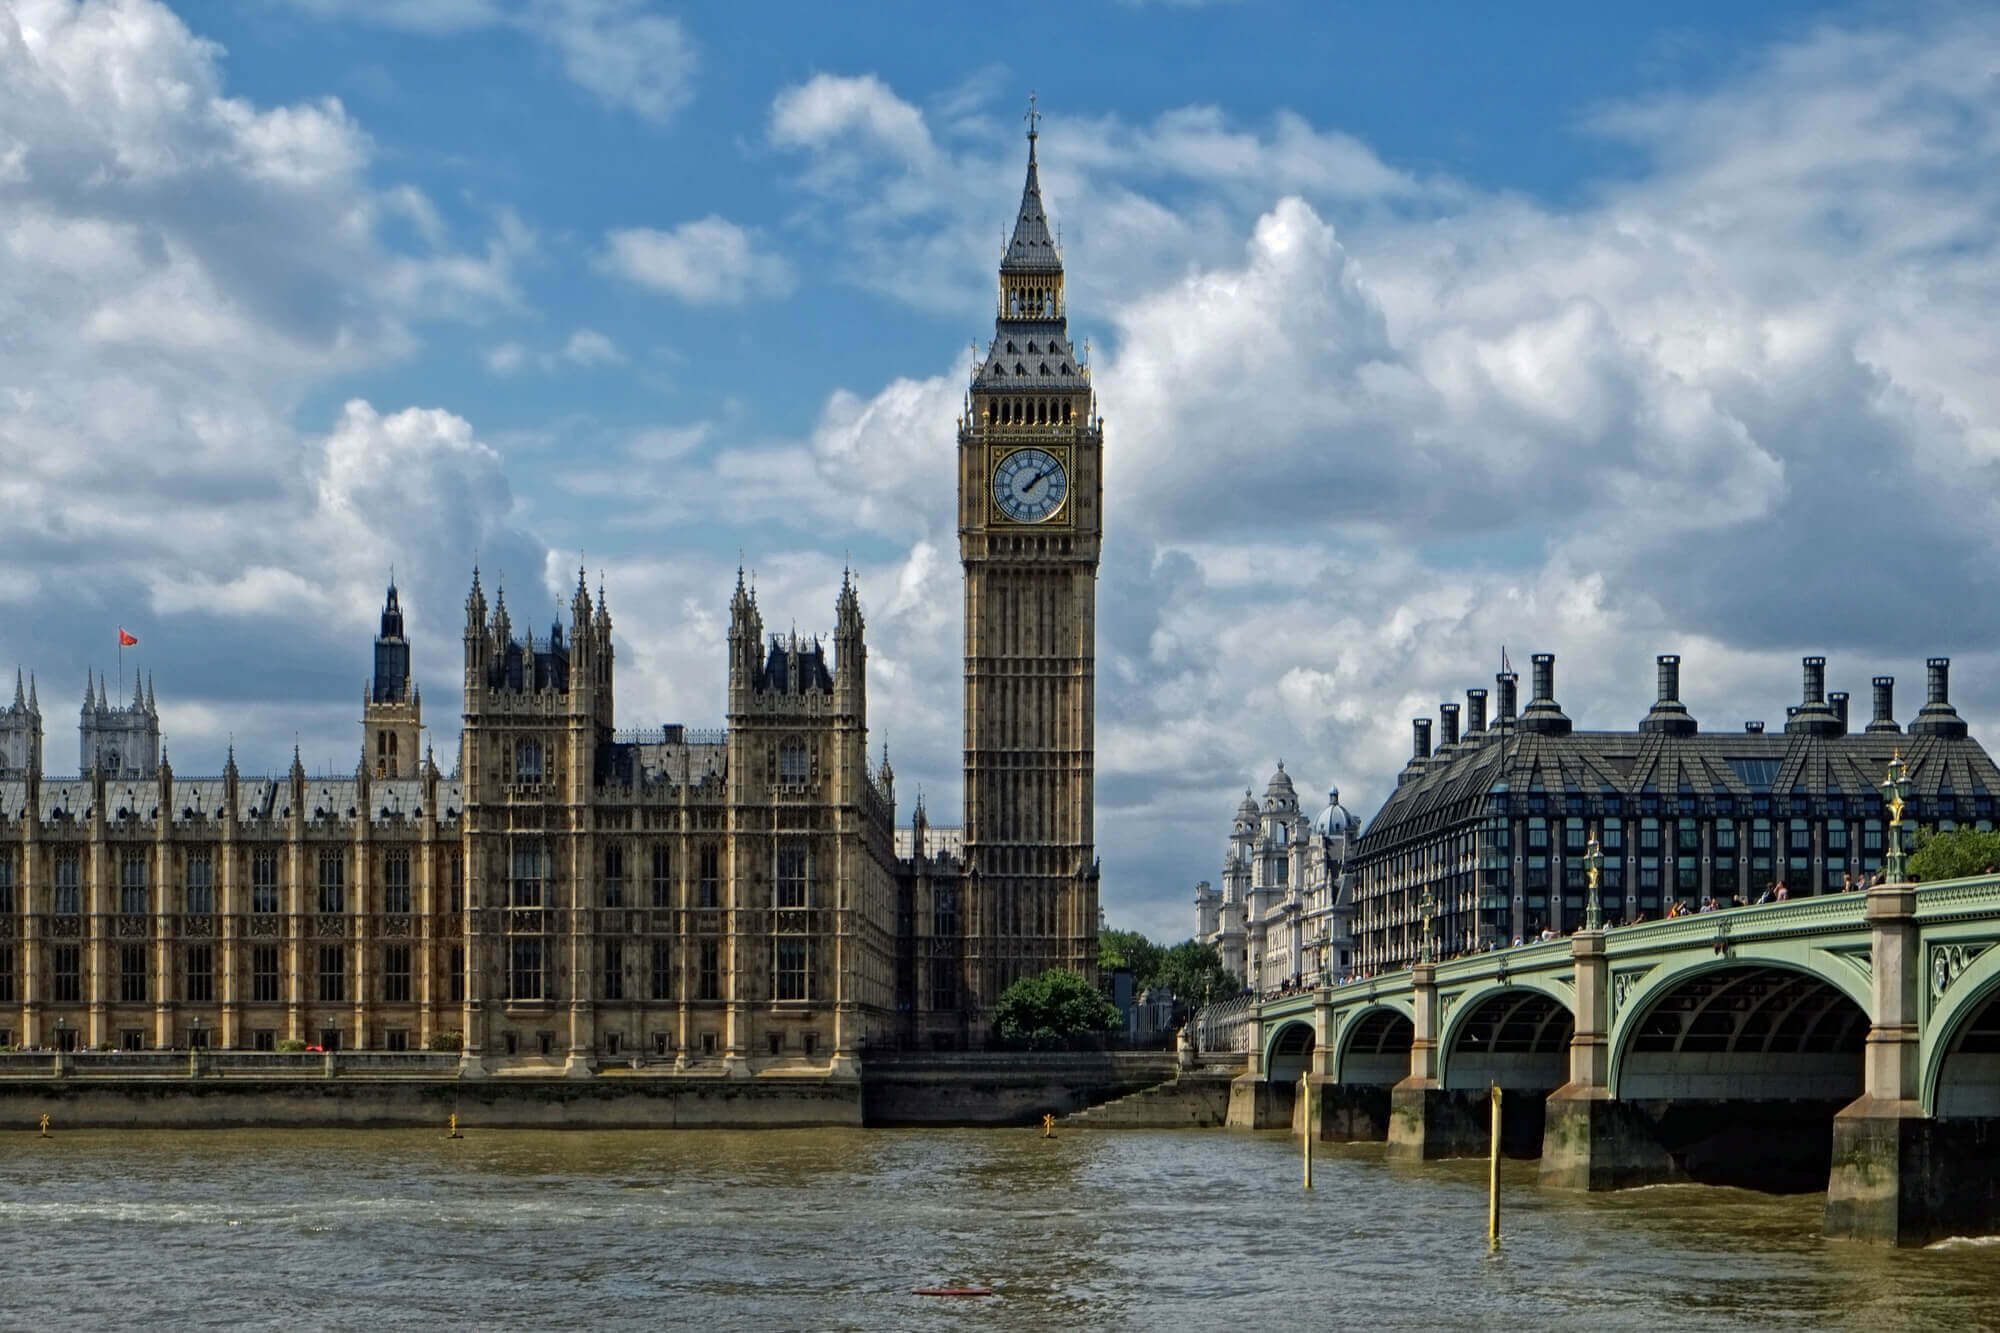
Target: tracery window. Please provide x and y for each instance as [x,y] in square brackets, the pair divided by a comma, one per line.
[132,895]
[69,885]
[396,883]
[200,883]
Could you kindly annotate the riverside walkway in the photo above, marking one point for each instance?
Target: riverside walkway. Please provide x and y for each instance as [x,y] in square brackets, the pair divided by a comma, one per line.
[1850,1041]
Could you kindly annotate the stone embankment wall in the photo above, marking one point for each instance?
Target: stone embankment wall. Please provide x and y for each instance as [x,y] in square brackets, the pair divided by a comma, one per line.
[1198,1099]
[349,1089]
[978,1088]
[606,1102]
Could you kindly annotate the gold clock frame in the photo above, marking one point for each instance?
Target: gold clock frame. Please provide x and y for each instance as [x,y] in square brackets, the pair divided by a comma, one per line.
[1062,517]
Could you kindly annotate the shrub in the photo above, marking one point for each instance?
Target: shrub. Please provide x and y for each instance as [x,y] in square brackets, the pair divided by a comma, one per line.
[447,1041]
[291,1046]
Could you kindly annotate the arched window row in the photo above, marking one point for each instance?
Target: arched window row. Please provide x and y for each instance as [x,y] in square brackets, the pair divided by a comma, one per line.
[1029,412]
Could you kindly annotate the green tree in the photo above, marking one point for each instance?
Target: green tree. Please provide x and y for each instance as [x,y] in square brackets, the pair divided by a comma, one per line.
[1130,950]
[1051,1006]
[1953,853]
[1195,974]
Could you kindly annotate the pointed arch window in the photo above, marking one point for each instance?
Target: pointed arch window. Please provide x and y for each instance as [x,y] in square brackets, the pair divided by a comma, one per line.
[792,765]
[527,761]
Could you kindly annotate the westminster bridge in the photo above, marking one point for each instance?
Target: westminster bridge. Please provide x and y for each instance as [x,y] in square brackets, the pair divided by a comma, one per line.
[1848,1042]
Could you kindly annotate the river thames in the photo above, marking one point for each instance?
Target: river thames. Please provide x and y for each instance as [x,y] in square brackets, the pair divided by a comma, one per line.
[385,1229]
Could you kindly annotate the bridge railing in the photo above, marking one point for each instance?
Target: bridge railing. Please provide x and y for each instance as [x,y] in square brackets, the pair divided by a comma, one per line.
[1225,1026]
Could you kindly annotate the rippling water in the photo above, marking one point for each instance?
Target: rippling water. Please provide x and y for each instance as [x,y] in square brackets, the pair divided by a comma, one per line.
[831,1228]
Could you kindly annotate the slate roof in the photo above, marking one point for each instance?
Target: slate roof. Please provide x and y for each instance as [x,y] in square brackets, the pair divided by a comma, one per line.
[1635,773]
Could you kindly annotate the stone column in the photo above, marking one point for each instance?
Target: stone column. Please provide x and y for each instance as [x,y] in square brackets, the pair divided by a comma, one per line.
[228,925]
[1413,1103]
[363,913]
[98,921]
[34,918]
[584,958]
[471,1060]
[163,946]
[428,957]
[1895,1179]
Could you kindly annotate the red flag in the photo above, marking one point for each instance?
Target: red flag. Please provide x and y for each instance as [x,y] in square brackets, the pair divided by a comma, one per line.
[125,640]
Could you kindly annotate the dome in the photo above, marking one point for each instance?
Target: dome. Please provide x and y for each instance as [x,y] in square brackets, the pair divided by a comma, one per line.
[1335,820]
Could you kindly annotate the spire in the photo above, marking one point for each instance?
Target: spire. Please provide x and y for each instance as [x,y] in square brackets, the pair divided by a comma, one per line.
[89,689]
[1032,249]
[34,704]
[151,707]
[20,697]
[847,608]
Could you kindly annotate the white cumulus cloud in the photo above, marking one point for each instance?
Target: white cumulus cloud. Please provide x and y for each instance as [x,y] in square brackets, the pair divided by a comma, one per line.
[710,261]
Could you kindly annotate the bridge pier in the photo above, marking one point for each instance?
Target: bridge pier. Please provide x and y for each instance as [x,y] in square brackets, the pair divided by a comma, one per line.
[1901,1177]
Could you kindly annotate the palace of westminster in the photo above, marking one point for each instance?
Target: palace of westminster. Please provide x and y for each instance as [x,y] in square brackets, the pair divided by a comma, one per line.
[736,900]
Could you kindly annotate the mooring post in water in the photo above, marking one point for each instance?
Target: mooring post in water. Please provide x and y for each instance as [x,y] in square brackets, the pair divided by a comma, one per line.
[1493,1176]
[1306,1103]
[1048,1126]
[454,1127]
[45,1125]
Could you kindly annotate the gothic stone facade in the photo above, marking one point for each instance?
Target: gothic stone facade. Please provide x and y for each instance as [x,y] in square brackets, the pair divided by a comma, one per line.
[573,895]
[1491,828]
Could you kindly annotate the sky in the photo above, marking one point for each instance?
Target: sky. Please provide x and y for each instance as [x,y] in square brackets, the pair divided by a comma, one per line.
[1419,331]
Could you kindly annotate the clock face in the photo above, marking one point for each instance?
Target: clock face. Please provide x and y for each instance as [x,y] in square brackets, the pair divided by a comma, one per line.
[1030,485]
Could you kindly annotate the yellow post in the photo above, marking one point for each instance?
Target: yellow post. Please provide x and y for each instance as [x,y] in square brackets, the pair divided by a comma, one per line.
[1493,1177]
[454,1127]
[45,1125]
[1048,1126]
[1306,1103]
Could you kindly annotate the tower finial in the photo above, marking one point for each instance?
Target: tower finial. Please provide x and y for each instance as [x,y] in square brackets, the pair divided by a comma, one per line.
[1034,118]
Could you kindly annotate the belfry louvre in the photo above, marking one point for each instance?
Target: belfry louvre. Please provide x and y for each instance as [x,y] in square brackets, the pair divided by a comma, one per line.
[1490,827]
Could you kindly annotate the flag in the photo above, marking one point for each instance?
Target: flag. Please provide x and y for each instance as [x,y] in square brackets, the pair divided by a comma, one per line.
[1506,667]
[126,640]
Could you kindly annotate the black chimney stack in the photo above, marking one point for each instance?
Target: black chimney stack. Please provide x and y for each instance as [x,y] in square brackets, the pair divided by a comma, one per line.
[1421,739]
[1812,717]
[1669,716]
[1885,705]
[1448,728]
[1754,728]
[1503,711]
[1475,712]
[1838,701]
[1938,717]
[1543,714]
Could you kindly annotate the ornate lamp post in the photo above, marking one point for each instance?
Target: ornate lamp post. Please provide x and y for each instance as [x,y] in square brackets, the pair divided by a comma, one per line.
[1893,791]
[1593,869]
[1427,948]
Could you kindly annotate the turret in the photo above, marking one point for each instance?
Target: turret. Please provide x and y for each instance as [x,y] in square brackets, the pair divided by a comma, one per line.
[849,649]
[746,636]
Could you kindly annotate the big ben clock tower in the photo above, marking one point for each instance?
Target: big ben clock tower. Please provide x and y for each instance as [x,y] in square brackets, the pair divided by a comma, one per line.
[1030,516]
